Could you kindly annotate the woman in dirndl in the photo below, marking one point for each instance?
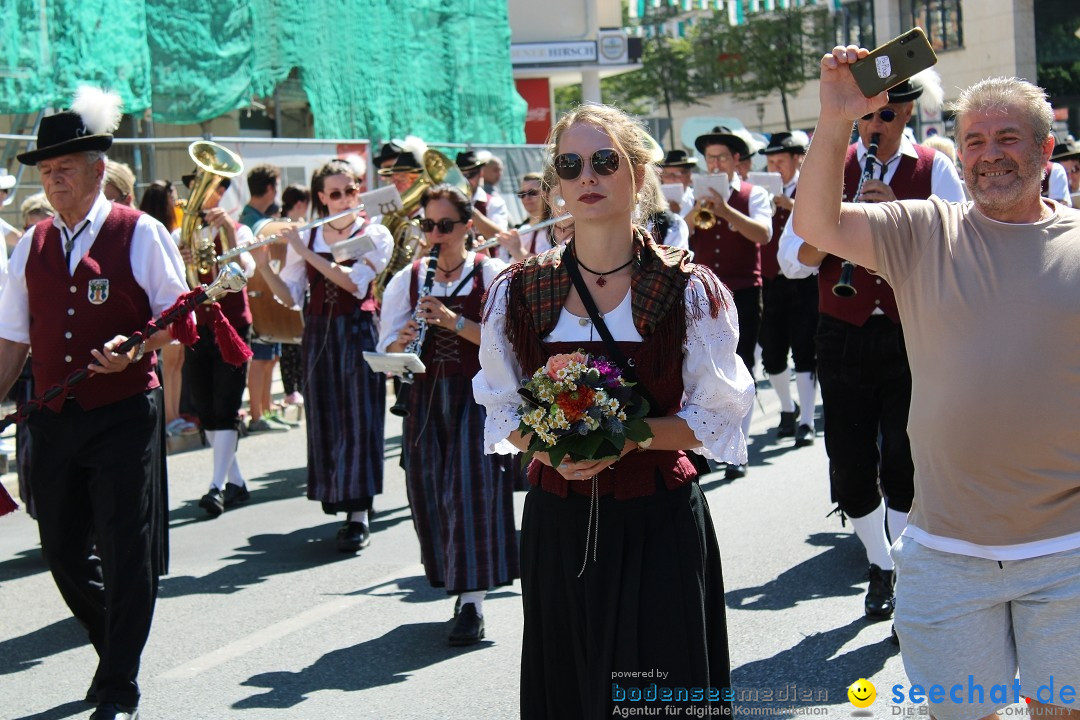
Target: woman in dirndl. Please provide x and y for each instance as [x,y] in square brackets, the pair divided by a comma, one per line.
[640,590]
[462,499]
[344,400]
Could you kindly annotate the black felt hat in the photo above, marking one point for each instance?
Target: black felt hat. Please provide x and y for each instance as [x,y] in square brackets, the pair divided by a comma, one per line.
[62,134]
[678,159]
[721,135]
[389,151]
[1067,149]
[906,91]
[406,162]
[470,160]
[794,143]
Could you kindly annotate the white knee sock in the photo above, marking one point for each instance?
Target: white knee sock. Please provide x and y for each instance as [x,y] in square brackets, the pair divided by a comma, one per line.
[781,383]
[223,443]
[476,598]
[871,530]
[804,383]
[358,516]
[746,422]
[235,476]
[897,523]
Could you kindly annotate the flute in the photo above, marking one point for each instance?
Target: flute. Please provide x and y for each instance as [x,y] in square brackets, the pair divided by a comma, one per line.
[488,244]
[239,250]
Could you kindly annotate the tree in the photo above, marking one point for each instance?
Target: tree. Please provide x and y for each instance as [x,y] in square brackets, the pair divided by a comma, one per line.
[769,54]
[667,64]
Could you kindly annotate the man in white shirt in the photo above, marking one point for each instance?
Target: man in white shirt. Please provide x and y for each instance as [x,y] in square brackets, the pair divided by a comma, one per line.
[7,183]
[677,168]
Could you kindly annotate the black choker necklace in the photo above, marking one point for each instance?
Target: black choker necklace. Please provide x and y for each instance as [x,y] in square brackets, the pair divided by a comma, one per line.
[453,269]
[345,227]
[600,275]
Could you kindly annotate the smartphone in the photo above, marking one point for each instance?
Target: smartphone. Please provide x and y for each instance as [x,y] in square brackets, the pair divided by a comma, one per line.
[894,62]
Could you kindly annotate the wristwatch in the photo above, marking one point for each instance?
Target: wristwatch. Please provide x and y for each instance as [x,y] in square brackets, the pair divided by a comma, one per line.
[644,444]
[460,324]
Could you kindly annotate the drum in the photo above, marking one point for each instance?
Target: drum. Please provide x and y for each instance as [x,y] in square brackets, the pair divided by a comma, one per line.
[271,321]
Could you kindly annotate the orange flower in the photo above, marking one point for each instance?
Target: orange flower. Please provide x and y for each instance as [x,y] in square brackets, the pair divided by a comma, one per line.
[575,403]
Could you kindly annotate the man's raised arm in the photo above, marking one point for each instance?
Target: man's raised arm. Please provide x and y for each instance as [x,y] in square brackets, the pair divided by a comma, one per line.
[820,218]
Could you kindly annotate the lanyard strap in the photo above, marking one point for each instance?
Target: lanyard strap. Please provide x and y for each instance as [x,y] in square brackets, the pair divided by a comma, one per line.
[69,243]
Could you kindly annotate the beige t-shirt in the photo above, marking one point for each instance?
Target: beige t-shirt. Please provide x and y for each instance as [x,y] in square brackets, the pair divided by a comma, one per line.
[991,316]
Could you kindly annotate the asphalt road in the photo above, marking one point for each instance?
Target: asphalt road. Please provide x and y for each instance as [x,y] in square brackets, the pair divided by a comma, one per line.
[262,618]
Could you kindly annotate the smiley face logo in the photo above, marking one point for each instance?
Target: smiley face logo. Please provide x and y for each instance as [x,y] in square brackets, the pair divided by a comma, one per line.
[862,693]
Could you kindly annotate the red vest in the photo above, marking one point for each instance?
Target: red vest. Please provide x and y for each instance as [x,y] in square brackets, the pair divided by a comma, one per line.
[770,265]
[911,181]
[234,305]
[734,259]
[325,297]
[443,344]
[72,315]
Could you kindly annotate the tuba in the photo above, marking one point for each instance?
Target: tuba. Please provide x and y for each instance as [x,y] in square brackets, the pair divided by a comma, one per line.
[214,164]
[438,168]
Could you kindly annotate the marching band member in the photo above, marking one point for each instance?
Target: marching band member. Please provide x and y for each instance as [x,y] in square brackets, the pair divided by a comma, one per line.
[461,499]
[77,283]
[345,401]
[676,169]
[514,247]
[862,362]
[653,596]
[789,317]
[731,247]
[491,214]
[217,386]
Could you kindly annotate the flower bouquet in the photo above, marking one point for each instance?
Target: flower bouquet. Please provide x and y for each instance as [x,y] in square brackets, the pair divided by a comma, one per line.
[580,406]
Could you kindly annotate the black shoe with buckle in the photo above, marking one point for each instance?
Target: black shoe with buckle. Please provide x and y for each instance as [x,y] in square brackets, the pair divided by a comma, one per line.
[353,536]
[804,435]
[236,494]
[112,711]
[786,428]
[734,472]
[880,599]
[213,503]
[468,627]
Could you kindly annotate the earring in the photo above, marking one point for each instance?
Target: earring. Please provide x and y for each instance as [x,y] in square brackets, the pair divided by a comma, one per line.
[558,201]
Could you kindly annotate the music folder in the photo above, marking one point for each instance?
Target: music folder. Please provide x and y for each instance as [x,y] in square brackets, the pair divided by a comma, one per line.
[395,363]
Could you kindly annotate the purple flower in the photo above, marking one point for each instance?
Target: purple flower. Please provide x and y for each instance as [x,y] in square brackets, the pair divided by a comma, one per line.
[608,371]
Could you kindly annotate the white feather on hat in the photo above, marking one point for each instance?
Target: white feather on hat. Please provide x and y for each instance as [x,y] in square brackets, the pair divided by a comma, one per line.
[415,145]
[800,138]
[933,95]
[357,162]
[99,109]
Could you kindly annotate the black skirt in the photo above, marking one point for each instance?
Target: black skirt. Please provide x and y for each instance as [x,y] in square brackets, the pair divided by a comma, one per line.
[643,626]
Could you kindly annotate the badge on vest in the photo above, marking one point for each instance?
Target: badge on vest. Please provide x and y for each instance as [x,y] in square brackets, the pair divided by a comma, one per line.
[98,291]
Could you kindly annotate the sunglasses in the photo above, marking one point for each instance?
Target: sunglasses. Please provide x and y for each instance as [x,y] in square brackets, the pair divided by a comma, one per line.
[527,193]
[470,174]
[604,162]
[446,225]
[350,190]
[886,115]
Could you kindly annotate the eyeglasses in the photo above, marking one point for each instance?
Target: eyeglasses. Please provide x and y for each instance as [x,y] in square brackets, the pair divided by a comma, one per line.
[446,225]
[527,193]
[350,190]
[604,162]
[886,115]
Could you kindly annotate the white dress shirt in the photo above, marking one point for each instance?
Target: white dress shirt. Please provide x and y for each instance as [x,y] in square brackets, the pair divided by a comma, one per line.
[944,182]
[294,274]
[496,210]
[155,263]
[760,205]
[717,388]
[397,307]
[1059,184]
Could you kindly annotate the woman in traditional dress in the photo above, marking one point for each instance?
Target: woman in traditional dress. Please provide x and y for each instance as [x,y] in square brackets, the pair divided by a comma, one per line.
[639,591]
[344,400]
[461,499]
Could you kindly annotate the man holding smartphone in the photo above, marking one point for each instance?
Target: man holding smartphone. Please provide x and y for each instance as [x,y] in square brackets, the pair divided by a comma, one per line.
[862,364]
[989,567]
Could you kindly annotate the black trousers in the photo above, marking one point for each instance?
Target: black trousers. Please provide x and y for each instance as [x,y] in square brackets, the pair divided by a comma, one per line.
[748,304]
[99,477]
[865,393]
[216,386]
[292,367]
[789,322]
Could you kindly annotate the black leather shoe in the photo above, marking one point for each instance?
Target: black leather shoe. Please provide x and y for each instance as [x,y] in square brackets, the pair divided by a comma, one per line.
[110,711]
[804,436]
[786,428]
[213,503]
[880,600]
[353,536]
[235,494]
[734,472]
[468,627]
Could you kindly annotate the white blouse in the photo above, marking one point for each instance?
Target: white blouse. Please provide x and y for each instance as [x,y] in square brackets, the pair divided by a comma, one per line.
[717,388]
[294,274]
[397,307]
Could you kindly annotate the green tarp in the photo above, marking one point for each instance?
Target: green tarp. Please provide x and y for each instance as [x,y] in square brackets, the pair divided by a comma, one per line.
[439,69]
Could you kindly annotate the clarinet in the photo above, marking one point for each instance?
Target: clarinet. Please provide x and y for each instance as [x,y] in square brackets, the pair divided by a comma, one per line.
[843,287]
[416,345]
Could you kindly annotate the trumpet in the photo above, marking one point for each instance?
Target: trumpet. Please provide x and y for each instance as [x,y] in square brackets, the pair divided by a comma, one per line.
[386,198]
[703,219]
[844,287]
[488,244]
[416,345]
